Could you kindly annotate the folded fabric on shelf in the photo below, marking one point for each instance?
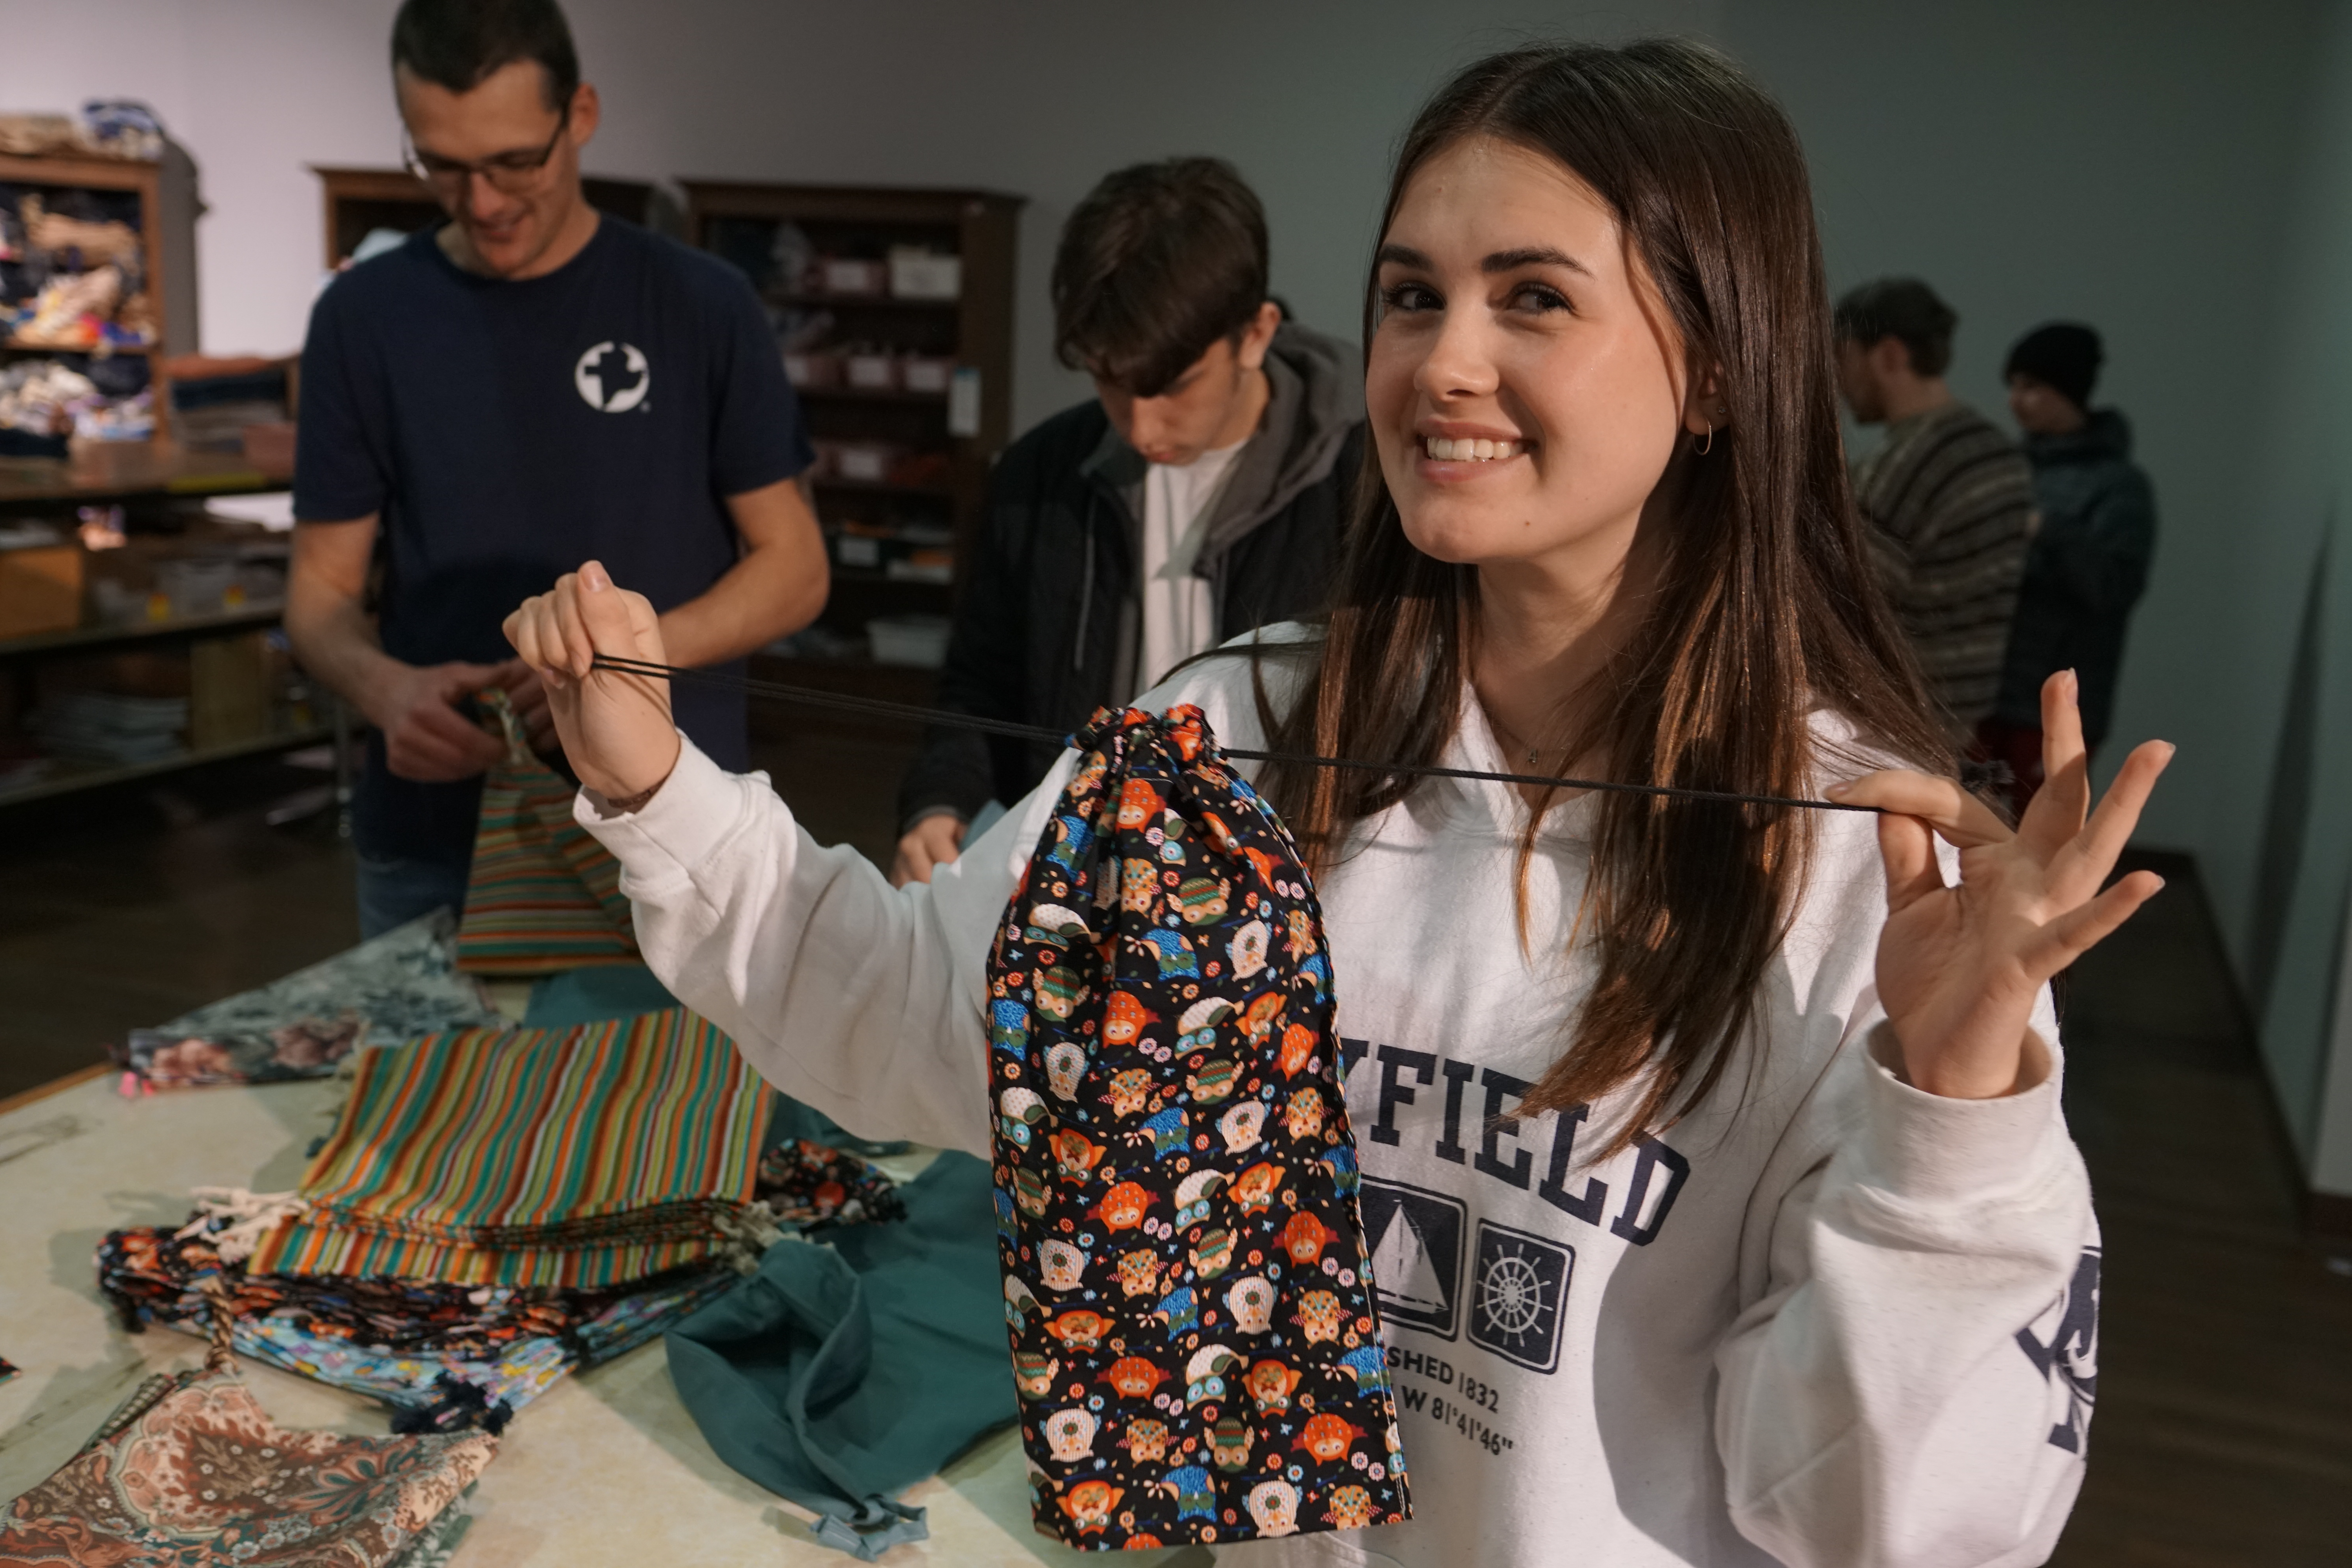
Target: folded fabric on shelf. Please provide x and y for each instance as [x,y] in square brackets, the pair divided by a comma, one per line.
[542,897]
[191,1473]
[581,1157]
[390,988]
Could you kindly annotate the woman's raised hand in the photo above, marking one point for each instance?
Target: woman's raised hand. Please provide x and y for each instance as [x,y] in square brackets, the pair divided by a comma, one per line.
[1960,967]
[616,729]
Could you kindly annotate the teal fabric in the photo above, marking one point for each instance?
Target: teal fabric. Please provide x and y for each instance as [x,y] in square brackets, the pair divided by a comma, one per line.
[840,1374]
[607,991]
[594,994]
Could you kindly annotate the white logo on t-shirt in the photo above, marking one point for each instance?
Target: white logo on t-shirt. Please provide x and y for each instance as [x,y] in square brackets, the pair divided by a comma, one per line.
[628,380]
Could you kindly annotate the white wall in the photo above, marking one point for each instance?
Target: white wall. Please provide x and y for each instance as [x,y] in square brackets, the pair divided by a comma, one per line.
[2155,168]
[1038,99]
[2289,609]
[2176,174]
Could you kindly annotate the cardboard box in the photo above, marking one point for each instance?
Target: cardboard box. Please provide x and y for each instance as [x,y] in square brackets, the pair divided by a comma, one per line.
[872,372]
[844,274]
[228,689]
[921,372]
[40,590]
[919,274]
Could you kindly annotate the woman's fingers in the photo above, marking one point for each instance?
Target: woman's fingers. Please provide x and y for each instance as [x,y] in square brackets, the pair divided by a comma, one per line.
[2093,851]
[1942,803]
[531,629]
[608,614]
[2065,939]
[2056,812]
[1908,848]
[578,644]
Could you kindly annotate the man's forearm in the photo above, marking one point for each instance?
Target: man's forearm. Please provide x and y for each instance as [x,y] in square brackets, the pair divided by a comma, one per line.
[335,641]
[770,592]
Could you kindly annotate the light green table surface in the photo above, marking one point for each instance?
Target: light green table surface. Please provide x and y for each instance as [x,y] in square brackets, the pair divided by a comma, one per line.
[605,1469]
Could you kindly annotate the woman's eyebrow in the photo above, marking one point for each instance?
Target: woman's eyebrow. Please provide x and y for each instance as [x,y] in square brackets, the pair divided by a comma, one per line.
[1532,256]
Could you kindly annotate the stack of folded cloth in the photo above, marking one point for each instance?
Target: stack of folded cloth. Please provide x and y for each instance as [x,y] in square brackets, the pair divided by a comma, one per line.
[493,1208]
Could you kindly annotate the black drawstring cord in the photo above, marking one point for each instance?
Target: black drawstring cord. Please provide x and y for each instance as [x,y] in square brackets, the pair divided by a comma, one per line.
[914,714]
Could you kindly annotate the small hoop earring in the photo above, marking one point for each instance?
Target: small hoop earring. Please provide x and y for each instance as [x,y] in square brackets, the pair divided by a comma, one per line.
[1708,445]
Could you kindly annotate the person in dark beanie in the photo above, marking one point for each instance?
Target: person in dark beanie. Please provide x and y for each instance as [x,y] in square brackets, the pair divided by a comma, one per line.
[1947,500]
[2089,560]
[1197,496]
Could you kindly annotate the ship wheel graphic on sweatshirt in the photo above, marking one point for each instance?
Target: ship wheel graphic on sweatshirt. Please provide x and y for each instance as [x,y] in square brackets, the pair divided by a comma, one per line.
[1511,1296]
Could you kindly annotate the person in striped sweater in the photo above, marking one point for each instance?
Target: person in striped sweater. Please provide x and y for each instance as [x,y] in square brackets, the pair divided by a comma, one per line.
[1947,498]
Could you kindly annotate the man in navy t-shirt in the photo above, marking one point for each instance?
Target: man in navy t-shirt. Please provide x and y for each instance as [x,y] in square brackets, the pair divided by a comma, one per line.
[524,388]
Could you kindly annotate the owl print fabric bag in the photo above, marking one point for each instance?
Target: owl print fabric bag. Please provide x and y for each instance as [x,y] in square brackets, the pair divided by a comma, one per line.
[1193,1333]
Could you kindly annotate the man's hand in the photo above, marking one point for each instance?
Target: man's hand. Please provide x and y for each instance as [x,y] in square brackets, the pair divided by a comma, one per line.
[929,845]
[424,737]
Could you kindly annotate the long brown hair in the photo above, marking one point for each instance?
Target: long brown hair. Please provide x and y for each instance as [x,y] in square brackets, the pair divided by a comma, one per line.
[1765,606]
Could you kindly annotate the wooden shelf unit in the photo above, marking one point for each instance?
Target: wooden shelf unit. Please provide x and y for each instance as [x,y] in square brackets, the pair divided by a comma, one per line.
[168,206]
[739,220]
[359,200]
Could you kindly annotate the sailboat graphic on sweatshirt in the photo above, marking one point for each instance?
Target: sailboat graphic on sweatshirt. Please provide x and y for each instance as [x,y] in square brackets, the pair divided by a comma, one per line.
[1400,1265]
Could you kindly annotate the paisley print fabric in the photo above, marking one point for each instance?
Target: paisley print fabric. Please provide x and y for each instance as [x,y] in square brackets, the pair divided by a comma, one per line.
[1194,1331]
[193,1474]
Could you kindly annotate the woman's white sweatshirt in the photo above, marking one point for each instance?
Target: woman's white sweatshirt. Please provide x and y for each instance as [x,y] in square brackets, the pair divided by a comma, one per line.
[1827,1319]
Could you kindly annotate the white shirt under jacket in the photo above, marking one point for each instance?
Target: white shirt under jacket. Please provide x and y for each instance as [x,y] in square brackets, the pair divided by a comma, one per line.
[1829,1319]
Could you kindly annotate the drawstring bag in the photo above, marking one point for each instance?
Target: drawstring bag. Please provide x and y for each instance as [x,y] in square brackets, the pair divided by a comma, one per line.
[1193,1333]
[543,897]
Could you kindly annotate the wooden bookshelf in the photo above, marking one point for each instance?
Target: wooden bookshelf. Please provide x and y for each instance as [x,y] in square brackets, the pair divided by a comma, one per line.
[359,200]
[948,440]
[165,191]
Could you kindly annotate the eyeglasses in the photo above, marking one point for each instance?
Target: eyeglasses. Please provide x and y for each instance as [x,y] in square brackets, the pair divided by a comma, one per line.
[510,173]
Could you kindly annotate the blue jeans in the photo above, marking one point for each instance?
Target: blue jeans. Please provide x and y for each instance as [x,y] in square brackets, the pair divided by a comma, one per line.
[394,892]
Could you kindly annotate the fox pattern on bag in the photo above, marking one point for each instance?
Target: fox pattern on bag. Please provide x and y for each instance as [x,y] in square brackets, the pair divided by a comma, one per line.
[1193,1330]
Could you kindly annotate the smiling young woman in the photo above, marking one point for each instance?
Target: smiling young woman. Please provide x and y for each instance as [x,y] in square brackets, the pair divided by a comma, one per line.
[1664,575]
[1714,1183]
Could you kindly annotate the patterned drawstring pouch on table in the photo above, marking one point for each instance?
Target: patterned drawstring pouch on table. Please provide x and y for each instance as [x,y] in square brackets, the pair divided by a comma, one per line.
[191,1472]
[543,896]
[1194,1336]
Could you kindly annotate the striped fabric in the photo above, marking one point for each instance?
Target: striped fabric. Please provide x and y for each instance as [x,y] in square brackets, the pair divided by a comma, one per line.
[581,1158]
[1950,502]
[544,897]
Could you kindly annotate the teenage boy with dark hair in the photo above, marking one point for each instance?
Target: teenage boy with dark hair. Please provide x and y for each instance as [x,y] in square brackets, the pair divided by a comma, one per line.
[2090,557]
[1946,499]
[527,386]
[1200,494]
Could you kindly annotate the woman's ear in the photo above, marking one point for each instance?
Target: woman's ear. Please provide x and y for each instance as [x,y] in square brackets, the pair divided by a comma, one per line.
[1703,405]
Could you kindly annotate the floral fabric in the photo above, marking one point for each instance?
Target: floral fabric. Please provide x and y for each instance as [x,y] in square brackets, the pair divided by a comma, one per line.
[469,1356]
[193,1474]
[386,990]
[1192,1326]
[809,1183]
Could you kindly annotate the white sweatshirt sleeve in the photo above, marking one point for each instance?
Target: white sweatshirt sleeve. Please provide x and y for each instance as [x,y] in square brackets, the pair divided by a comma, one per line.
[1909,1382]
[865,1001]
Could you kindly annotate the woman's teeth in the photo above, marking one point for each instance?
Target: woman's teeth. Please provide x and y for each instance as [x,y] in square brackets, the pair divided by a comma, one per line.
[1466,450]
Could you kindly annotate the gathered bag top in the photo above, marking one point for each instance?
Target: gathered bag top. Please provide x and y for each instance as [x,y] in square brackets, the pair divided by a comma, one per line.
[1193,1330]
